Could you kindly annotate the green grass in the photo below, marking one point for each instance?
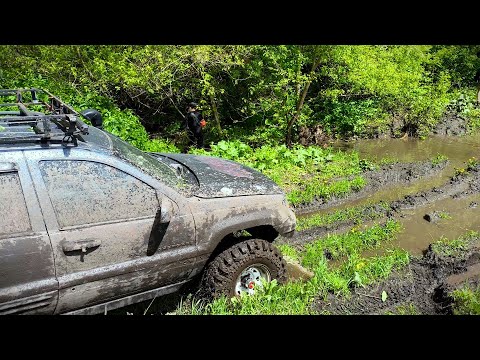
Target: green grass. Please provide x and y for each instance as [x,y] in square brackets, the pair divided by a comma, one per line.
[318,188]
[289,251]
[466,301]
[350,243]
[355,214]
[296,297]
[439,159]
[444,215]
[456,247]
[404,309]
[474,121]
[367,271]
[387,160]
[472,163]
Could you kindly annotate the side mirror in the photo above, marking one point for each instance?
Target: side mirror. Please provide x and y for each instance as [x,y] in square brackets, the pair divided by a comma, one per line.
[94,116]
[166,211]
[162,222]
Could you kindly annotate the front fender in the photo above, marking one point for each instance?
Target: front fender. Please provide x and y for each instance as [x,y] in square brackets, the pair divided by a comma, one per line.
[214,220]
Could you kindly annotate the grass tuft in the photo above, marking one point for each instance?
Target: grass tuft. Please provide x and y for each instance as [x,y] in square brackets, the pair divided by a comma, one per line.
[466,301]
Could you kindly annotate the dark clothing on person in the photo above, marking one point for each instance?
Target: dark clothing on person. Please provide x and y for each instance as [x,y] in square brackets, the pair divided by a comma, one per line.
[194,129]
[477,80]
[477,76]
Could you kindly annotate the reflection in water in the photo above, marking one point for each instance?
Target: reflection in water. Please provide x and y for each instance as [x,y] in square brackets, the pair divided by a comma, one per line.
[418,232]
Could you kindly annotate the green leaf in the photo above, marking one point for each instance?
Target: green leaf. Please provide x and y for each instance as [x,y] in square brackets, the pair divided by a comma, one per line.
[384,296]
[2,128]
[357,279]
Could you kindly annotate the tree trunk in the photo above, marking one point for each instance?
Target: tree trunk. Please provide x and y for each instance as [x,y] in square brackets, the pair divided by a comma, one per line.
[300,104]
[215,114]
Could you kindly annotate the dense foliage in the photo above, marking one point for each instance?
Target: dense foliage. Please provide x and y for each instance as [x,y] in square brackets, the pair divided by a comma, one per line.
[259,94]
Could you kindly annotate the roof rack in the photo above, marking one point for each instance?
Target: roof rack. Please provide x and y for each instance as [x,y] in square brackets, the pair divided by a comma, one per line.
[30,126]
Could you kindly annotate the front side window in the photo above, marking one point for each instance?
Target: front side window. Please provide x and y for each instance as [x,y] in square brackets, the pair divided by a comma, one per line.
[14,215]
[84,192]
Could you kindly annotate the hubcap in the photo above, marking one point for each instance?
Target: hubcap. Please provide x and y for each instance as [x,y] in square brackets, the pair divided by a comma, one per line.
[251,277]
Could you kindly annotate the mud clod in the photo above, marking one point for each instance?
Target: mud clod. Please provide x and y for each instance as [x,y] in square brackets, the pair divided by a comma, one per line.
[433,217]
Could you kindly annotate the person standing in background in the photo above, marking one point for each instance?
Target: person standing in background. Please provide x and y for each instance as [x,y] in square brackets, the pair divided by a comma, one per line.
[194,124]
[477,80]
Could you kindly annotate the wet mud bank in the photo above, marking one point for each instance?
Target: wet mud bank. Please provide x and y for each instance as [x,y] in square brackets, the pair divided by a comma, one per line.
[423,287]
[390,176]
[462,185]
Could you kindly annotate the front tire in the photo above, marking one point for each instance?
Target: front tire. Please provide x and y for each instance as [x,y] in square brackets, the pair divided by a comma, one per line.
[241,267]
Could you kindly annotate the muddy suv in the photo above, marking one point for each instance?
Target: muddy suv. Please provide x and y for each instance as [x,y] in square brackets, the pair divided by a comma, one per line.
[90,223]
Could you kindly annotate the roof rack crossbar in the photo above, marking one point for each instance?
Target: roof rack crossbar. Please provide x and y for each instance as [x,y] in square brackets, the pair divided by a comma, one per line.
[25,119]
[32,138]
[16,104]
[6,92]
[71,127]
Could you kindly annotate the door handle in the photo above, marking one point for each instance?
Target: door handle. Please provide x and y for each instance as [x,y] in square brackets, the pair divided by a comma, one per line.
[82,245]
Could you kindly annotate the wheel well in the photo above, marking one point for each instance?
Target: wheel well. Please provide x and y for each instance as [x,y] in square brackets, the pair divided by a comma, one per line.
[265,232]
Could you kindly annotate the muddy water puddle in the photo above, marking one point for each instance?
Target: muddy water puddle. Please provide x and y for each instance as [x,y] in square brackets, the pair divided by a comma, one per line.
[453,218]
[458,215]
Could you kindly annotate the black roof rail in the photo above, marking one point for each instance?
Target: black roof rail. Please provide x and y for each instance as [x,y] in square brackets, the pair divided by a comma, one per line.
[37,126]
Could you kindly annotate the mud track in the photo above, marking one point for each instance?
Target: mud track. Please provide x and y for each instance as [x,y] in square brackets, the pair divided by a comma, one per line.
[426,283]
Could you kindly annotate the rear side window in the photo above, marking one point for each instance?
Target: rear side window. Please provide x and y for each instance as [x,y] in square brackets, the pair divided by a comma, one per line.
[14,215]
[84,192]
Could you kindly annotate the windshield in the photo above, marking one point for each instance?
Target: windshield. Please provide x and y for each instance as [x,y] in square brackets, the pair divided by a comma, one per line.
[145,162]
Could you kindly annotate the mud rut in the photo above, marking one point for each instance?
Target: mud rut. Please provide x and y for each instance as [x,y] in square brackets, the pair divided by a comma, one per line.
[427,281]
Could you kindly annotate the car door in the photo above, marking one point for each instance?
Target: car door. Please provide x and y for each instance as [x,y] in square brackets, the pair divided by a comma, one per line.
[103,216]
[27,271]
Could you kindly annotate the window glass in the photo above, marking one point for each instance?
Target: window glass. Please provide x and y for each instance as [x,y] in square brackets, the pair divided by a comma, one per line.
[84,192]
[14,215]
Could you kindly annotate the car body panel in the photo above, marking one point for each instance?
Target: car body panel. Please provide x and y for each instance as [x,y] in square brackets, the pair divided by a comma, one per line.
[27,282]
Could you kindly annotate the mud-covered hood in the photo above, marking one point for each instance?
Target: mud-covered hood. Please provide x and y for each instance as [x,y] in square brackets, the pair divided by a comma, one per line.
[221,178]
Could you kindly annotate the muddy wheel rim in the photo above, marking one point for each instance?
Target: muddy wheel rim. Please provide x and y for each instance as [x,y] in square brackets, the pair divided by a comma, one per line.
[251,277]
